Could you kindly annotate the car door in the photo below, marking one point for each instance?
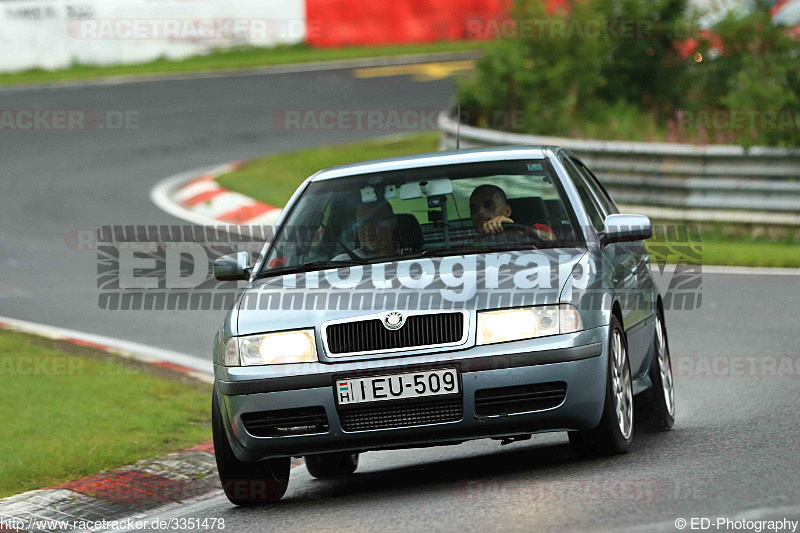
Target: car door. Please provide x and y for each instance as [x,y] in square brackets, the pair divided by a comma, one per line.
[614,263]
[630,280]
[645,285]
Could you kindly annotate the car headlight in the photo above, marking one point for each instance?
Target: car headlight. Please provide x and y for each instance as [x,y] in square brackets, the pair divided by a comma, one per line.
[272,348]
[527,322]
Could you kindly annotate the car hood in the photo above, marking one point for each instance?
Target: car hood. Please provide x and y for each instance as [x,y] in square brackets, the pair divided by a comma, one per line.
[472,282]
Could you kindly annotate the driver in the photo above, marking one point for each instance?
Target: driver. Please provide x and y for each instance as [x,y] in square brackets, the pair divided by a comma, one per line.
[376,226]
[489,210]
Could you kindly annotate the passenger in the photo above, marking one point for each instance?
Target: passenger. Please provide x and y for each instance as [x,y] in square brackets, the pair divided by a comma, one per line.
[376,226]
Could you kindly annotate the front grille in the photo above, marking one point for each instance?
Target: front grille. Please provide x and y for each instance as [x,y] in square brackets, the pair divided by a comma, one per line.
[519,399]
[418,330]
[396,416]
[300,421]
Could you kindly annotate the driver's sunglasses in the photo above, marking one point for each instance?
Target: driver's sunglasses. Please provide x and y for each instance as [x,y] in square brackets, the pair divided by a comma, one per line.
[379,221]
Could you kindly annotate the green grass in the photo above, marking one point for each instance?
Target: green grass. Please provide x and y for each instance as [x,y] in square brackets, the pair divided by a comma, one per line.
[749,252]
[231,59]
[273,178]
[618,122]
[66,416]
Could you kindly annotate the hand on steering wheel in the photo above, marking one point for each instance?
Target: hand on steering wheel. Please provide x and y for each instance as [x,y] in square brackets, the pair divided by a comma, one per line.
[494,225]
[512,232]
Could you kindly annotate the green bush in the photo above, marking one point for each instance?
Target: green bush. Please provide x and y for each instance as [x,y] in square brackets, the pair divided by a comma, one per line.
[557,85]
[639,88]
[763,75]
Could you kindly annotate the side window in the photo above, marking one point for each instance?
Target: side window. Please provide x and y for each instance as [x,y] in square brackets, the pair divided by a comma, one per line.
[587,198]
[601,193]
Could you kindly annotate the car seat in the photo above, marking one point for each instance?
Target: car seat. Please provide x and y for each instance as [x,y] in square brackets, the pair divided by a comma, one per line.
[408,233]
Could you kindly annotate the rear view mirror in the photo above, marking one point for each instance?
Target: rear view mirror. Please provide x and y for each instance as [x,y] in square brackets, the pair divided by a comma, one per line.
[232,267]
[420,189]
[625,228]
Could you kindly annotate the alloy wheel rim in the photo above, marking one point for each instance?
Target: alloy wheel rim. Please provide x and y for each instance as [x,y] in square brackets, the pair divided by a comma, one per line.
[623,393]
[665,367]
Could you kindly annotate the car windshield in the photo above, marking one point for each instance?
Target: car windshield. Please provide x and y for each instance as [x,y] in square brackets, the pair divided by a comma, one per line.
[431,211]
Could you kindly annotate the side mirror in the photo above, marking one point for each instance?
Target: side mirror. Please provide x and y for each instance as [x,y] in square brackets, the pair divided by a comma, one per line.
[625,228]
[232,267]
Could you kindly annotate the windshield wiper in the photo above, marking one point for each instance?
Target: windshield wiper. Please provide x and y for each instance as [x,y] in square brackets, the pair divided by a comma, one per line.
[306,267]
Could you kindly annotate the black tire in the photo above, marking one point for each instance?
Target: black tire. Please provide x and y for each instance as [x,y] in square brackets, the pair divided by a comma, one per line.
[608,438]
[331,465]
[246,483]
[659,403]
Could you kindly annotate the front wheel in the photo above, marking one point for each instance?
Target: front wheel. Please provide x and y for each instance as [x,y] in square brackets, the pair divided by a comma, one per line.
[614,434]
[331,465]
[661,401]
[246,483]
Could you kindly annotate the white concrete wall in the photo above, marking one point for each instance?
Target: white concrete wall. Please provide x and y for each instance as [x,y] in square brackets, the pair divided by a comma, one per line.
[53,34]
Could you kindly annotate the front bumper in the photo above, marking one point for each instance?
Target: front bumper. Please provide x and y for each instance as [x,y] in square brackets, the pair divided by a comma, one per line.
[578,359]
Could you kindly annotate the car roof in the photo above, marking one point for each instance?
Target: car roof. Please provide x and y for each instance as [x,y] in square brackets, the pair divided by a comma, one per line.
[430,159]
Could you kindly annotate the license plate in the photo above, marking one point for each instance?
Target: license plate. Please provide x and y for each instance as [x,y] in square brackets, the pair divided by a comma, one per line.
[396,386]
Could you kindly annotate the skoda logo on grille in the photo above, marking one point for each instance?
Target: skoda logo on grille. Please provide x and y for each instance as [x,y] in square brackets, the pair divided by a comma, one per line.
[393,320]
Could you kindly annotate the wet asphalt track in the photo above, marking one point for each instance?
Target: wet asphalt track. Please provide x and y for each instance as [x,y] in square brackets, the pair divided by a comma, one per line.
[734,448]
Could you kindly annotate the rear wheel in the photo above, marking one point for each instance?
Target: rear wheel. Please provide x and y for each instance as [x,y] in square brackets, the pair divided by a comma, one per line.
[614,434]
[661,402]
[246,483]
[331,465]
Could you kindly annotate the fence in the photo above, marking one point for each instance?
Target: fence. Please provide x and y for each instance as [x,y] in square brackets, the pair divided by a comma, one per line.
[716,183]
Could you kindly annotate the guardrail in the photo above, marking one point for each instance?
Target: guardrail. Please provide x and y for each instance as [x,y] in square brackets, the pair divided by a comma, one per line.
[716,183]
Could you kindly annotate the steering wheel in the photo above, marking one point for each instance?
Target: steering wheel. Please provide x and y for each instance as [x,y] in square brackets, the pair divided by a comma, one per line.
[512,233]
[349,251]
